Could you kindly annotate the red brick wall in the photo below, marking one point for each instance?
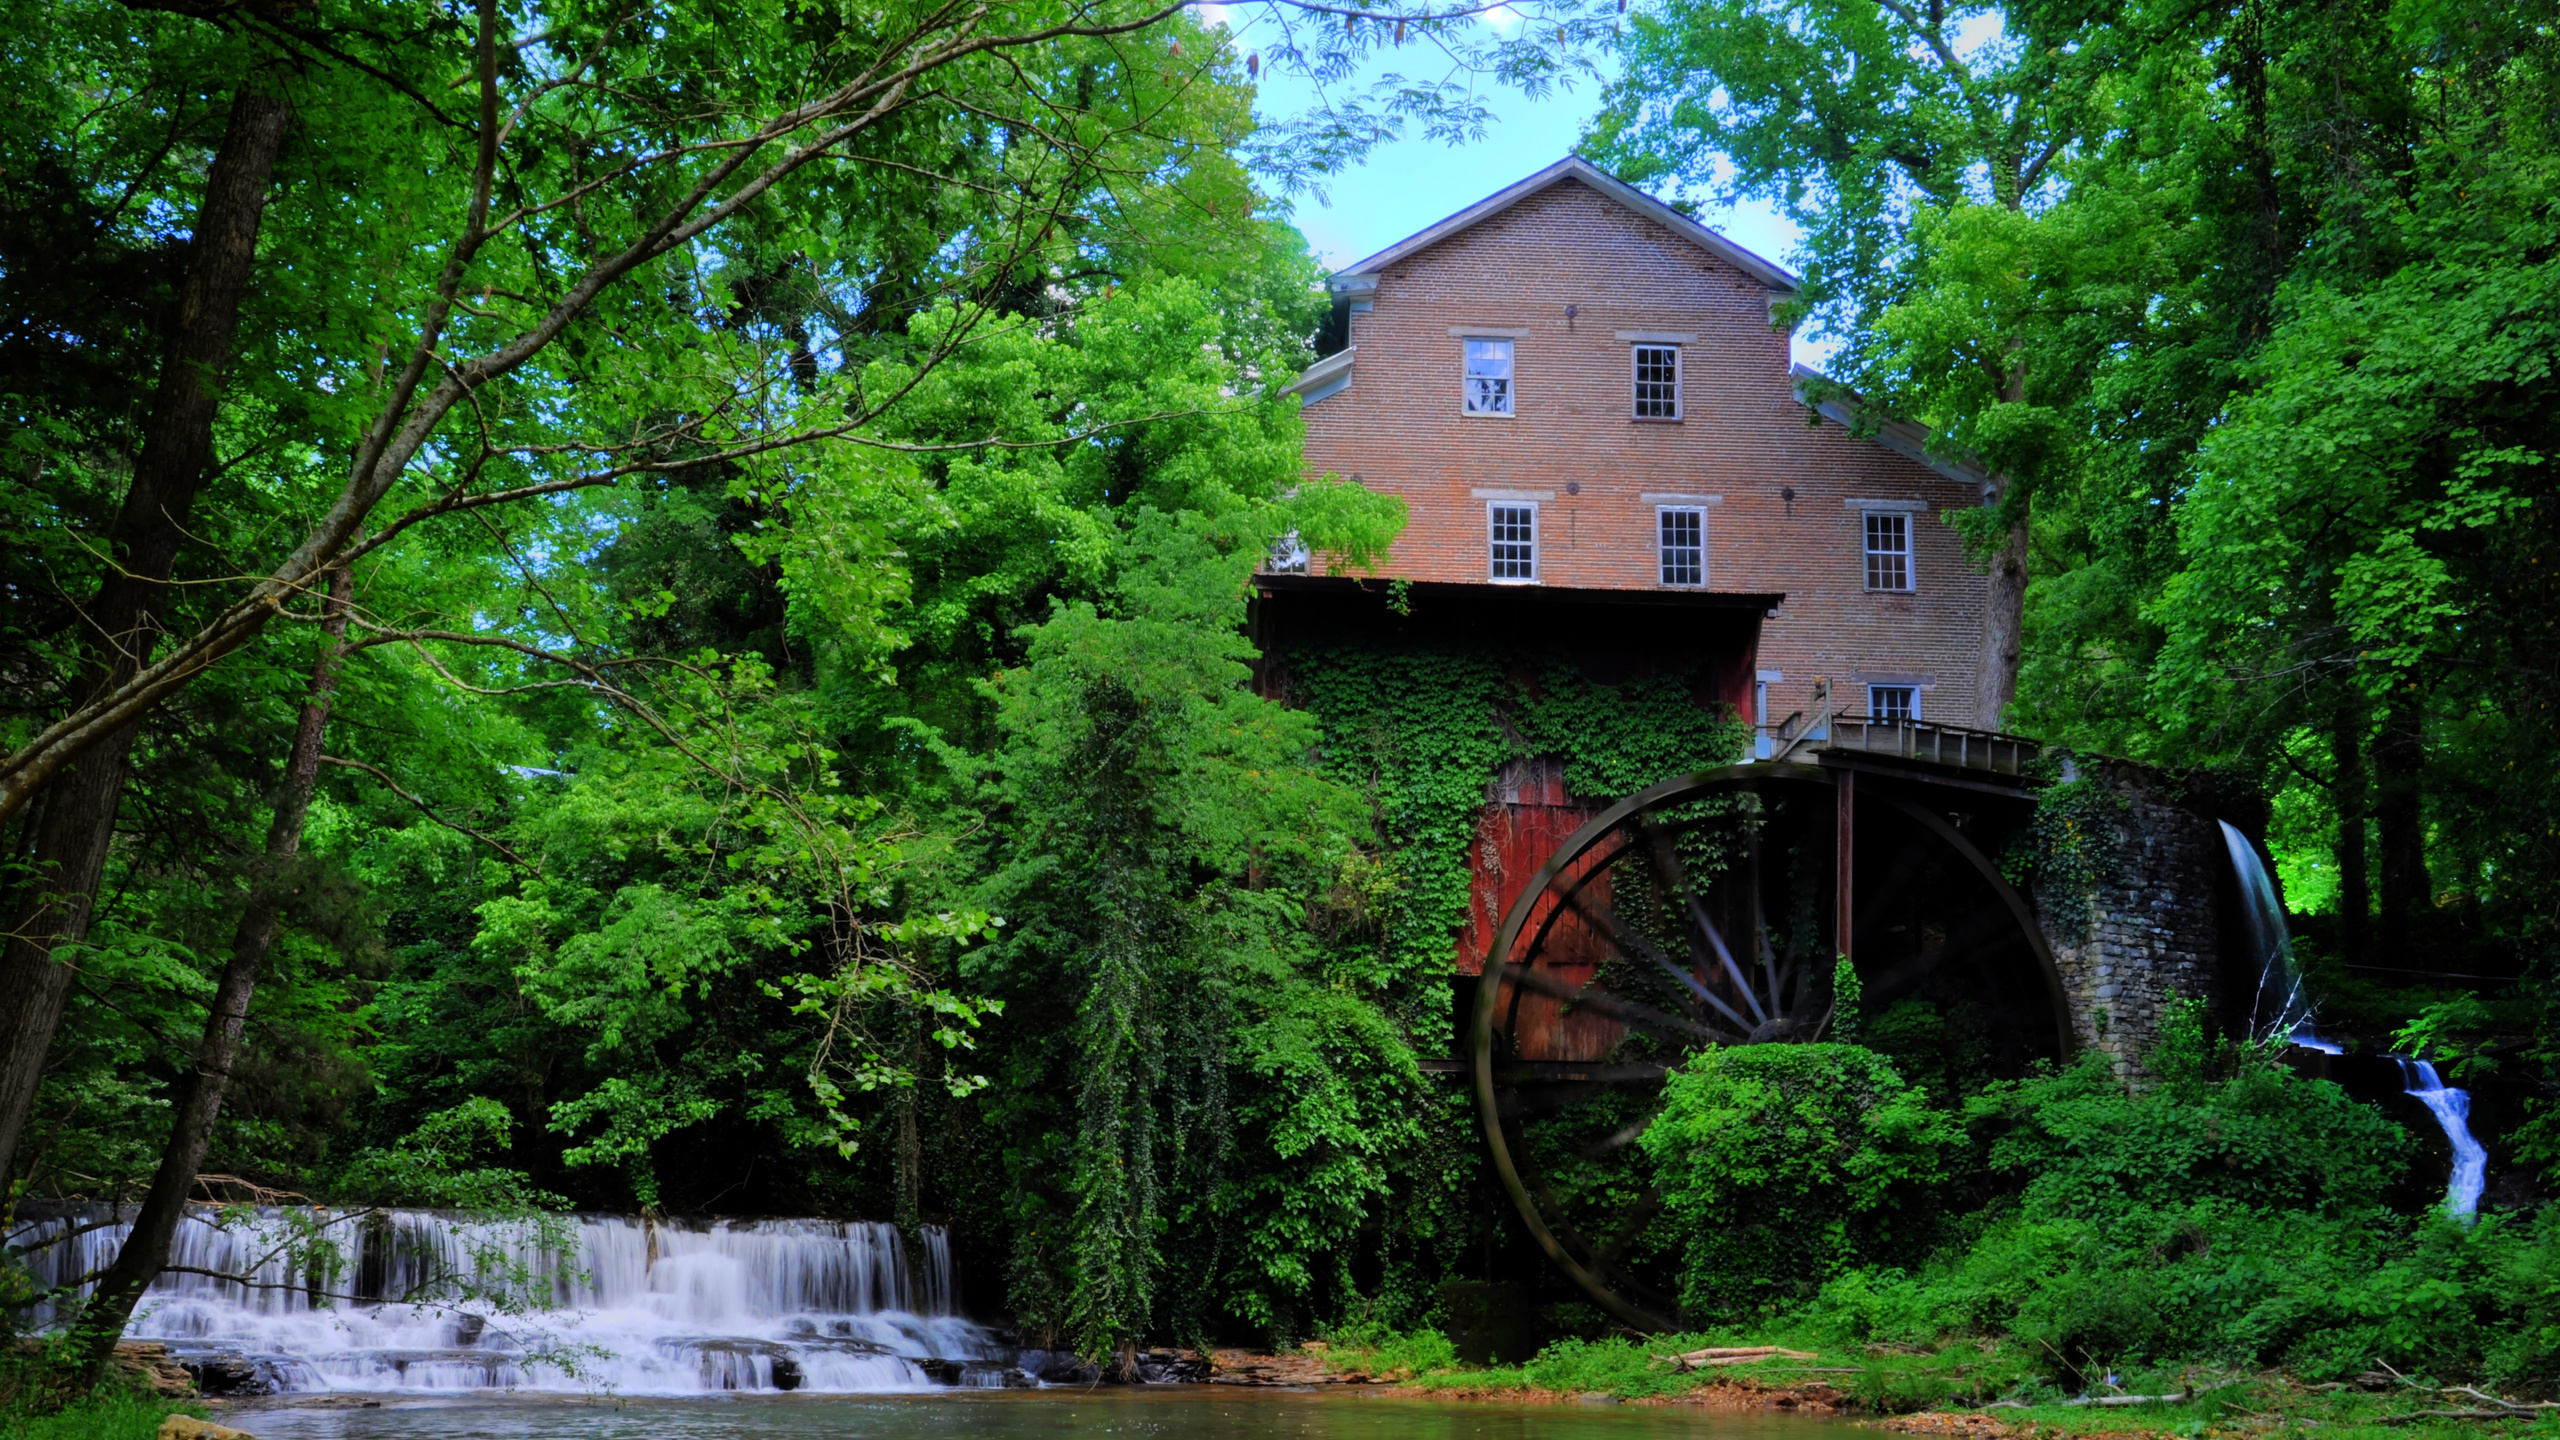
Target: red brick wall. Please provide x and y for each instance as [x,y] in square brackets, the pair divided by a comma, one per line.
[1400,427]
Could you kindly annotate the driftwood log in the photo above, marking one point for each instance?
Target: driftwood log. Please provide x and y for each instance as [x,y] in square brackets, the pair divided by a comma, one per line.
[1732,1355]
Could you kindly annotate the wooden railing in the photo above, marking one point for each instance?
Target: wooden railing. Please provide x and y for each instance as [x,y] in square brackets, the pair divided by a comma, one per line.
[1932,743]
[1901,739]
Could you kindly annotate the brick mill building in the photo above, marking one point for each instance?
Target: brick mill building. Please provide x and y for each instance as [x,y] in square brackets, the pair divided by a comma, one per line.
[1576,389]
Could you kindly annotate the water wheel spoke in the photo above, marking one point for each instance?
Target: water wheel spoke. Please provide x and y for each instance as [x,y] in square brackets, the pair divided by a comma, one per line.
[1571,1237]
[1789,983]
[1779,990]
[1563,1117]
[1674,875]
[1601,1002]
[1638,1218]
[1631,943]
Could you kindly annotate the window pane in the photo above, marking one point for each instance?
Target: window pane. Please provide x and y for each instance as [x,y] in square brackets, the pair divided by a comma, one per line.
[1488,377]
[1515,538]
[1657,382]
[1888,552]
[1684,547]
[1893,702]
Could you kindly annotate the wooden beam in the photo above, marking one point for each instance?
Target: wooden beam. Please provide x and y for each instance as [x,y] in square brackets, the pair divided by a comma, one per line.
[1844,923]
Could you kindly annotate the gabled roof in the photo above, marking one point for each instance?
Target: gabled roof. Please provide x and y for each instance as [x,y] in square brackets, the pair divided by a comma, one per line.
[1574,167]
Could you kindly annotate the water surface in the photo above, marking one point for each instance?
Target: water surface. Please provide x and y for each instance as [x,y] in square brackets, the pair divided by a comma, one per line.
[1185,1413]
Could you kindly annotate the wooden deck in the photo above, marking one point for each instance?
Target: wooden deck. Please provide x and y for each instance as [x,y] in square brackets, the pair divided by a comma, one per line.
[1923,742]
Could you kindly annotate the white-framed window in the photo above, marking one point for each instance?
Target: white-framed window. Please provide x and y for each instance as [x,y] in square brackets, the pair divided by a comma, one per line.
[1512,527]
[1488,376]
[1893,702]
[1888,550]
[1681,531]
[1288,556]
[1657,382]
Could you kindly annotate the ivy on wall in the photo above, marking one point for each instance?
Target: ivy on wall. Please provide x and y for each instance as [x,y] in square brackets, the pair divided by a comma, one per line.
[1618,739]
[1425,731]
[1421,733]
[2068,850]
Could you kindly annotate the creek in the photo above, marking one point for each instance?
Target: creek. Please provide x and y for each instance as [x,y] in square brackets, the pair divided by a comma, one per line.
[1135,1413]
[601,1304]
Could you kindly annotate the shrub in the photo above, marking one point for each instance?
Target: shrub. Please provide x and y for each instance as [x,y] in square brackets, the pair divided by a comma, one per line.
[1388,1353]
[1784,1165]
[2222,1122]
[2229,1213]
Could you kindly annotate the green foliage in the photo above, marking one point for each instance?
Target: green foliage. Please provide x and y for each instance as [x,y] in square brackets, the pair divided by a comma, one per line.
[1213,1101]
[2222,1123]
[1943,1049]
[1618,739]
[1785,1165]
[2449,1032]
[2067,850]
[1847,994]
[2230,1213]
[1419,735]
[1383,1352]
[444,1163]
[1609,1367]
[113,1413]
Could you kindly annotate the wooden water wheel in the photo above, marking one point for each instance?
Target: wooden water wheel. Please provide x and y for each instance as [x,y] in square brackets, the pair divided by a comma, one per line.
[1705,911]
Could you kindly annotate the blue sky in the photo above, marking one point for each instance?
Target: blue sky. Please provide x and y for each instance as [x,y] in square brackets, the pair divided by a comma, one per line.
[1408,185]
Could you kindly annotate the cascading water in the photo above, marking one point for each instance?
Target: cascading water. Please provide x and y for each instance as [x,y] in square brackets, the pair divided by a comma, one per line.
[2452,1111]
[2282,1011]
[628,1305]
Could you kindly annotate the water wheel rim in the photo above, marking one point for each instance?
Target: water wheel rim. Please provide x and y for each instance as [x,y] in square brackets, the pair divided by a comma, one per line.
[1565,1249]
[1488,992]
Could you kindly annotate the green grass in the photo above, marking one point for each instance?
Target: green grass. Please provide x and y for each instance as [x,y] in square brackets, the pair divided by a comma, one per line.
[107,1415]
[1964,1375]
[1389,1354]
[2269,1406]
[1890,1381]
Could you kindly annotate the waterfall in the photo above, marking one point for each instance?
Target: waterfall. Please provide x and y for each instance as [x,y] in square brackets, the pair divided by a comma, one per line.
[625,1305]
[2280,1009]
[2452,1111]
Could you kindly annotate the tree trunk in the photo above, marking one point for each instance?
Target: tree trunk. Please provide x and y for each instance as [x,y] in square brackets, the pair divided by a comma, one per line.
[910,1150]
[2355,887]
[2399,757]
[2004,618]
[72,839]
[199,1099]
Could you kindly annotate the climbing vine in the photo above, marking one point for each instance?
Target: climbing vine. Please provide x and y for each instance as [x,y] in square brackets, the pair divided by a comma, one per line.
[1420,734]
[1618,739]
[1423,734]
[2065,849]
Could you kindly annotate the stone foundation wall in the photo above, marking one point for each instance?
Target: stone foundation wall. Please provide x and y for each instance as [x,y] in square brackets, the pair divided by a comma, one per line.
[2146,936]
